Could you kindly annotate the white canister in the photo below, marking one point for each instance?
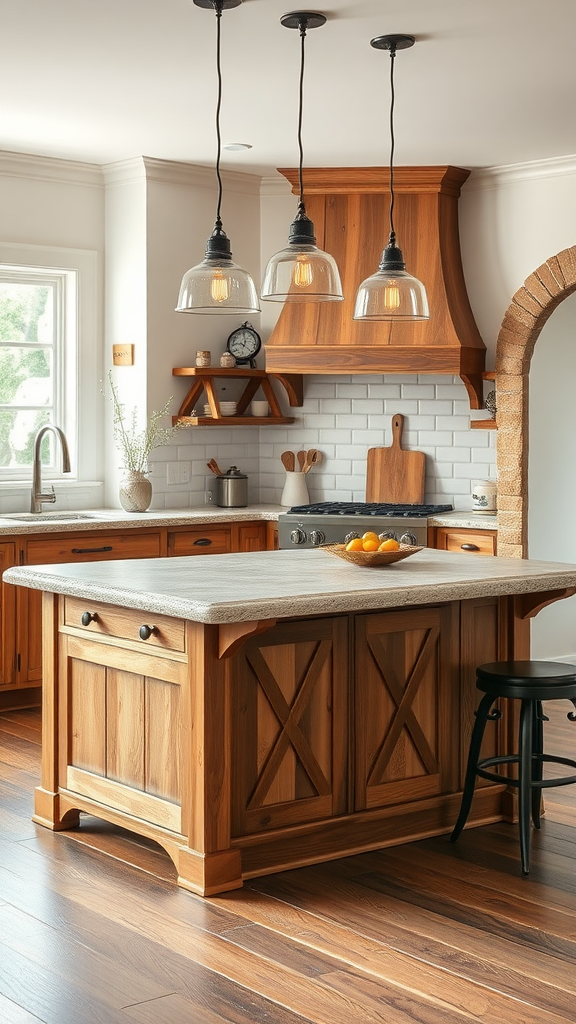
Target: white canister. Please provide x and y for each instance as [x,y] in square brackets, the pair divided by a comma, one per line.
[484,496]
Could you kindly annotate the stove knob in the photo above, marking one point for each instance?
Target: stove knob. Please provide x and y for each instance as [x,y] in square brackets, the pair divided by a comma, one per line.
[387,535]
[298,536]
[316,537]
[408,538]
[350,536]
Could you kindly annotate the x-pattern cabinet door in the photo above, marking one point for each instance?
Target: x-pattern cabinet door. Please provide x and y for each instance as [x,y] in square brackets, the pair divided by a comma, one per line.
[290,741]
[406,705]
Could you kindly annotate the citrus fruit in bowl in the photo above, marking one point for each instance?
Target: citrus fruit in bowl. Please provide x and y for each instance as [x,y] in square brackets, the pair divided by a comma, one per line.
[371,557]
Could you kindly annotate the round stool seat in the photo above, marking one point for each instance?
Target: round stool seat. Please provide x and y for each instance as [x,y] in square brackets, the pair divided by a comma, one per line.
[528,680]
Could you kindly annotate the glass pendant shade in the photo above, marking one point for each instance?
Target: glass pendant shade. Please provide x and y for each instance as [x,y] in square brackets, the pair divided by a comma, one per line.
[302,272]
[391,293]
[217,284]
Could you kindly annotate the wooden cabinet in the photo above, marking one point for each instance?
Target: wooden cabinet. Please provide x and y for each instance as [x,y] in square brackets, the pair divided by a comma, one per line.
[20,609]
[476,542]
[7,619]
[255,747]
[406,713]
[290,745]
[200,540]
[67,547]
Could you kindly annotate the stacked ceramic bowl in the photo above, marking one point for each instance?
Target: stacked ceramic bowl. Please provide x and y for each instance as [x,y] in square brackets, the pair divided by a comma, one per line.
[228,408]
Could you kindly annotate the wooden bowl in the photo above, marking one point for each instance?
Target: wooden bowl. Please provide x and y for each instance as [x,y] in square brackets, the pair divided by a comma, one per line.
[371,558]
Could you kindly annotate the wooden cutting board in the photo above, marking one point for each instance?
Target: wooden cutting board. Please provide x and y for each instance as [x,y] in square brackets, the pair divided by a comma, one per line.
[394,475]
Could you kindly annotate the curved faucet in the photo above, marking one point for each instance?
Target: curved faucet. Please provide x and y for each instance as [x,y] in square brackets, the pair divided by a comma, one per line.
[37,496]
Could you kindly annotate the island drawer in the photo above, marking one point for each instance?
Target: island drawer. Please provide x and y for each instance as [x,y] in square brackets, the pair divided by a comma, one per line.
[202,540]
[145,628]
[478,542]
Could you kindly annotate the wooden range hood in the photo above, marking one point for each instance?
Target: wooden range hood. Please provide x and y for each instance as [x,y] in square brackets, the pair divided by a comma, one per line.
[350,207]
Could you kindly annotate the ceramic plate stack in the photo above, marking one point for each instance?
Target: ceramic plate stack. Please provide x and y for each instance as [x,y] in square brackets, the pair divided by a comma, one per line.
[228,408]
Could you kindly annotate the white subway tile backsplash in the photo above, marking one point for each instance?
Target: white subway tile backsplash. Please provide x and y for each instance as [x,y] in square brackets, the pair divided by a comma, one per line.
[352,390]
[342,417]
[454,455]
[435,408]
[403,405]
[384,391]
[418,391]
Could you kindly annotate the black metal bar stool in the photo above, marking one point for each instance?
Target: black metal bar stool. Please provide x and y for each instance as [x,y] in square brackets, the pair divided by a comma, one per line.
[530,682]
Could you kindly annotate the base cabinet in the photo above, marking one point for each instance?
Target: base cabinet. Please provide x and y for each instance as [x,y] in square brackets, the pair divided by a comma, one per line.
[20,609]
[475,542]
[248,749]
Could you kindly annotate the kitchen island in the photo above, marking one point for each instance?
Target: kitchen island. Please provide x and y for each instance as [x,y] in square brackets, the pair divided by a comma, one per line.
[256,712]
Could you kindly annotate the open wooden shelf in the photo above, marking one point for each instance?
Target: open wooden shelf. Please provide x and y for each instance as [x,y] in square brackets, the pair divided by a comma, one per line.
[485,424]
[204,381]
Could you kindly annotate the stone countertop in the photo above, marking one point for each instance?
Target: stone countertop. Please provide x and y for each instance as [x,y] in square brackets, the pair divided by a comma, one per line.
[465,520]
[117,518]
[277,584]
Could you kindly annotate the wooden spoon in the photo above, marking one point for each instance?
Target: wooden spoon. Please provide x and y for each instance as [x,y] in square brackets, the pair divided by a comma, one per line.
[287,459]
[213,465]
[301,456]
[313,458]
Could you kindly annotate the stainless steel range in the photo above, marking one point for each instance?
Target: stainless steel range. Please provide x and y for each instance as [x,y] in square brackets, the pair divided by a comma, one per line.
[334,522]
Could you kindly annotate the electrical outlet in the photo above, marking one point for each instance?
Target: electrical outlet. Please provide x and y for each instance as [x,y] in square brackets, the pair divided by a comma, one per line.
[178,472]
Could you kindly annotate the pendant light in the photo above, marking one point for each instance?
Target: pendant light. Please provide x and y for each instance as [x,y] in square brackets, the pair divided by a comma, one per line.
[391,293]
[302,272]
[217,285]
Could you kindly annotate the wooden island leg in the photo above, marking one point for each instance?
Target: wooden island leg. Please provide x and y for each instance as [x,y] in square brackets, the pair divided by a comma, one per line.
[46,796]
[209,864]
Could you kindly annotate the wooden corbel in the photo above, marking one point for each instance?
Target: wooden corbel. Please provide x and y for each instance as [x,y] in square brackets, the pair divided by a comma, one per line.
[231,635]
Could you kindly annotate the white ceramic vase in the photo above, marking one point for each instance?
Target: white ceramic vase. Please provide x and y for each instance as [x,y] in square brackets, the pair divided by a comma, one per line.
[135,491]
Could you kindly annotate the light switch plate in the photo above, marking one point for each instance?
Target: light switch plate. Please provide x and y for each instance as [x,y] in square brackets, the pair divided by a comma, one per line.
[178,472]
[123,355]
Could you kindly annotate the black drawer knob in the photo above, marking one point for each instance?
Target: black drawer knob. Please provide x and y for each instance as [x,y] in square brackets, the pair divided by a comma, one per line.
[202,542]
[145,632]
[88,617]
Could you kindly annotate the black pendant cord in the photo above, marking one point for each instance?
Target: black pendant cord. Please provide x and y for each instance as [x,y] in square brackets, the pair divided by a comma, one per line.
[218,10]
[392,239]
[301,208]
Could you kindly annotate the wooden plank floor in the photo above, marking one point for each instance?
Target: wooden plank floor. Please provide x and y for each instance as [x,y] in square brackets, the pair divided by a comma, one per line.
[94,930]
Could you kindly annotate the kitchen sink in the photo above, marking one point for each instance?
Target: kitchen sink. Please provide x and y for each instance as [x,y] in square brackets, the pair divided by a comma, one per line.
[40,517]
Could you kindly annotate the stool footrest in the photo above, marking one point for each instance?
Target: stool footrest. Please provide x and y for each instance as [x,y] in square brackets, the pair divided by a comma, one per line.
[489,762]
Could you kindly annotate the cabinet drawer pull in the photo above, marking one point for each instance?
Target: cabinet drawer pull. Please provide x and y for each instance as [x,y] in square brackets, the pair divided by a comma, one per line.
[202,542]
[88,617]
[145,632]
[91,551]
[470,547]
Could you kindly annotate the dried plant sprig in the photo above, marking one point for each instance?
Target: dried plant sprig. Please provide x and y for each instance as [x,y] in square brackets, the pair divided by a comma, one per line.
[134,443]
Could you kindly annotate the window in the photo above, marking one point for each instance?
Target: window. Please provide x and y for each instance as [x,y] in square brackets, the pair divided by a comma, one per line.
[37,359]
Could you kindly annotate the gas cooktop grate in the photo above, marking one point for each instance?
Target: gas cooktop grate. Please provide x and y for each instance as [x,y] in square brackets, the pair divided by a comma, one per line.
[366,508]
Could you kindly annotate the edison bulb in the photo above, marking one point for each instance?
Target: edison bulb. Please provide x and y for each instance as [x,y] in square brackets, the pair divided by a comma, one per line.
[303,274]
[219,287]
[391,297]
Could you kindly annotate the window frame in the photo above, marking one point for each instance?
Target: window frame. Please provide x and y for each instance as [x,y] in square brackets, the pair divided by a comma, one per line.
[80,371]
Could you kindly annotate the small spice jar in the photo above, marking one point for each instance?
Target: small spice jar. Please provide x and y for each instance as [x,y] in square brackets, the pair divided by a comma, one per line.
[227,359]
[203,358]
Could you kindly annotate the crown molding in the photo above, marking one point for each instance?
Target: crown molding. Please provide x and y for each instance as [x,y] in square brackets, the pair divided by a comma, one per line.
[511,174]
[275,186]
[47,168]
[174,172]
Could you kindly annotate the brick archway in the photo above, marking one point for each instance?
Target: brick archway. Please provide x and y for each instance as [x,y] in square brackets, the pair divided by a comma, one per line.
[525,317]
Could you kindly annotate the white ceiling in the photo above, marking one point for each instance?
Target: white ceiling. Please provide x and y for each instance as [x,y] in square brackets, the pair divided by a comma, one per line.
[489,82]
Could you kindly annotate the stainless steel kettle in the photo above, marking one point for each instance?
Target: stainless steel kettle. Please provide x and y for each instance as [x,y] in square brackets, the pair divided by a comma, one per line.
[232,489]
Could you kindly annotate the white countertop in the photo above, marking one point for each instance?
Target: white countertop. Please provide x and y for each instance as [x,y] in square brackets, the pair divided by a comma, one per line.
[465,520]
[117,518]
[279,584]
